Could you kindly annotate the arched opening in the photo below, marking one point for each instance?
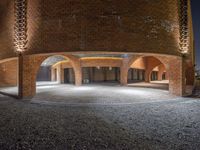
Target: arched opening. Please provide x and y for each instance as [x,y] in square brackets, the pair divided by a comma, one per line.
[53,71]
[140,70]
[136,71]
[148,71]
[160,74]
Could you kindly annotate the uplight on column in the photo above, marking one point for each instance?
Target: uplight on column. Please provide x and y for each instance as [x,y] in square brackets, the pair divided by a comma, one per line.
[184,31]
[20,27]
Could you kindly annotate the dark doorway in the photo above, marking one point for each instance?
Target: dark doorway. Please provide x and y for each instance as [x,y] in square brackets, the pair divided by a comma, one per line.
[69,77]
[44,73]
[154,76]
[136,75]
[164,76]
[101,74]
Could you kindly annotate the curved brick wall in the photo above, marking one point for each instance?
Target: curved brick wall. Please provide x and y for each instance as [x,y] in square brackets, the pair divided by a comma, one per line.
[6,29]
[140,26]
[114,26]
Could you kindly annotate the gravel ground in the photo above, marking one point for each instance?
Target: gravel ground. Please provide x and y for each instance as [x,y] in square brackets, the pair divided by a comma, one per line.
[100,121]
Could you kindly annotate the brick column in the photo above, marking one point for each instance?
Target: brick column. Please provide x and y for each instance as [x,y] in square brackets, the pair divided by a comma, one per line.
[177,76]
[124,72]
[78,72]
[59,78]
[28,68]
[147,74]
[52,74]
[76,64]
[62,75]
[160,72]
[27,85]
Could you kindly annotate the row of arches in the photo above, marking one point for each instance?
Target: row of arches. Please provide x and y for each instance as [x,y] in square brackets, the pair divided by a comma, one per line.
[107,69]
[144,67]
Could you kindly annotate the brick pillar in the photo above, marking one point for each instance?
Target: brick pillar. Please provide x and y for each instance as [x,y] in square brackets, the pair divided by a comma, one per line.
[62,74]
[147,74]
[76,64]
[78,73]
[52,74]
[166,76]
[124,72]
[160,72]
[177,76]
[59,78]
[27,78]
[28,68]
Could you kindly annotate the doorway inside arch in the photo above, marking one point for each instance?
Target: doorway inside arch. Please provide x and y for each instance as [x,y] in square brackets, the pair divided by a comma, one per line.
[54,71]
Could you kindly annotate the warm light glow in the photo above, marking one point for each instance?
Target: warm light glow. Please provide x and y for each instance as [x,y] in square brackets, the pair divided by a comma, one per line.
[20,28]
[60,62]
[184,32]
[101,58]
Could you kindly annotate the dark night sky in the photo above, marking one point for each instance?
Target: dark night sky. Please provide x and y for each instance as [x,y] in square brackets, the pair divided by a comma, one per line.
[196,24]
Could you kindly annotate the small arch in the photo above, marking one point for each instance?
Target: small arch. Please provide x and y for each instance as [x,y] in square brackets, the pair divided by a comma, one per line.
[159,73]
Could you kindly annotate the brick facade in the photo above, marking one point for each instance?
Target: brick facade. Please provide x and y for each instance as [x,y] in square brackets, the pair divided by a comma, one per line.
[140,27]
[9,73]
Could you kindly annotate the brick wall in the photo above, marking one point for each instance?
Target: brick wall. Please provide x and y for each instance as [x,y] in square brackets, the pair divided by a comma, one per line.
[9,73]
[108,26]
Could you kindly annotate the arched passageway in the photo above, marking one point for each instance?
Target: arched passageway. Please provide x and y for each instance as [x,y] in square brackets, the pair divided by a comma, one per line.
[159,73]
[93,70]
[174,66]
[31,65]
[148,71]
[130,69]
[52,73]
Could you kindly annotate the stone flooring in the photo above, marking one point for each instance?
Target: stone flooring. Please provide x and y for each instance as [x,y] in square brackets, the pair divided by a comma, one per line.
[102,117]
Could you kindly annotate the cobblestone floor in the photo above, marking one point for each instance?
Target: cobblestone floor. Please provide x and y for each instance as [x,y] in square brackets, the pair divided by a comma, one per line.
[102,117]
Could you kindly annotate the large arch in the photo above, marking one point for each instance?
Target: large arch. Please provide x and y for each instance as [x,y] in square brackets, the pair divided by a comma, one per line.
[174,66]
[29,66]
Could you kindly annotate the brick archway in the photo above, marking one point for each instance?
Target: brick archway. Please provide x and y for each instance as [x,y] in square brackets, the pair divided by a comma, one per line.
[174,66]
[29,66]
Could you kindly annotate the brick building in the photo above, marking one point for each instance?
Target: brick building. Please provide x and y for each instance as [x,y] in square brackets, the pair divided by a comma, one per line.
[96,41]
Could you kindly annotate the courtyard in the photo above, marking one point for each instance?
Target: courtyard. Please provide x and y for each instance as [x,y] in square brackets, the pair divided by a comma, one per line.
[99,116]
